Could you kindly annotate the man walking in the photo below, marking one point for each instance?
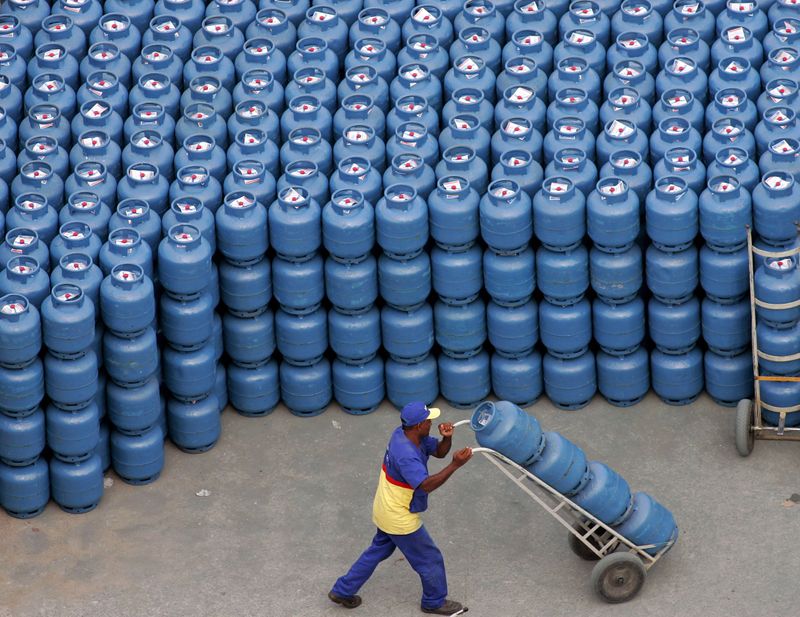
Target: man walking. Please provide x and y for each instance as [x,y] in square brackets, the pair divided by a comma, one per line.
[402,493]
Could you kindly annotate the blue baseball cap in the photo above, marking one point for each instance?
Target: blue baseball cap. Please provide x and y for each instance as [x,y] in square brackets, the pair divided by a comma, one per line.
[417,412]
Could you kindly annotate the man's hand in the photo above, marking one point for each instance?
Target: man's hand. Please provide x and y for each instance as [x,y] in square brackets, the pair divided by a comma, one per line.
[462,456]
[446,429]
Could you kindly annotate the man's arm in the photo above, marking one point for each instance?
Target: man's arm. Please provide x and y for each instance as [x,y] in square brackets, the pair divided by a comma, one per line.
[431,483]
[446,431]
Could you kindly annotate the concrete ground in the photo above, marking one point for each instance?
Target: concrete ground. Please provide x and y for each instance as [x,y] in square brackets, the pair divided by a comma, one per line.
[288,509]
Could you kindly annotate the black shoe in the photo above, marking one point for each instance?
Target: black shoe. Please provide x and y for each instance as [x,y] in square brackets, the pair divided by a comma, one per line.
[450,607]
[351,602]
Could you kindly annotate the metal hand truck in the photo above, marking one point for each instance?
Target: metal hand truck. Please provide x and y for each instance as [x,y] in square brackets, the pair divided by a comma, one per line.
[621,565]
[749,424]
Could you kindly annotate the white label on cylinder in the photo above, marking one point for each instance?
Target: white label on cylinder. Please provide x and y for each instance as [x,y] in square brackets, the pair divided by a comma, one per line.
[522,94]
[420,46]
[241,202]
[346,201]
[672,188]
[96,141]
[273,20]
[625,162]
[31,205]
[568,129]
[558,187]
[141,174]
[778,92]
[126,275]
[73,234]
[453,185]
[359,78]
[83,204]
[357,136]
[78,266]
[101,55]
[468,65]
[532,7]
[689,9]
[676,129]
[681,66]
[730,130]
[532,39]
[734,67]
[423,16]
[22,241]
[35,173]
[201,146]
[781,264]
[67,296]
[166,26]
[778,116]
[724,186]
[512,128]
[787,27]
[400,196]
[735,34]
[414,74]
[187,207]
[48,86]
[320,16]
[679,101]
[462,123]
[408,164]
[153,84]
[631,43]
[20,269]
[194,178]
[776,182]
[515,161]
[503,192]
[53,54]
[293,196]
[476,38]
[146,142]
[12,308]
[311,79]
[374,20]
[580,38]
[183,237]
[634,9]
[624,99]
[306,107]
[613,189]
[741,7]
[620,129]
[305,139]
[355,169]
[301,172]
[520,69]
[786,57]
[254,111]
[410,107]
[219,28]
[730,100]
[783,147]
[412,135]
[97,110]
[115,25]
[155,56]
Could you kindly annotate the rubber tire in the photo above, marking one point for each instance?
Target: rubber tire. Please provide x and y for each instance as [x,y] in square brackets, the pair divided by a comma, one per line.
[579,548]
[744,431]
[618,577]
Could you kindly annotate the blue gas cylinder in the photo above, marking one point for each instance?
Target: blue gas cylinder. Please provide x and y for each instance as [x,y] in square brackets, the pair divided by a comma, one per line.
[106,56]
[407,382]
[618,328]
[259,84]
[775,207]
[574,165]
[249,129]
[149,146]
[251,175]
[31,211]
[354,336]
[20,331]
[504,427]
[566,331]
[563,277]
[186,324]
[130,359]
[196,181]
[562,464]
[736,161]
[620,135]
[359,109]
[144,181]
[463,162]
[672,213]
[777,281]
[169,30]
[516,134]
[21,389]
[261,53]
[126,299]
[781,62]
[241,228]
[672,276]
[686,14]
[25,491]
[22,439]
[412,108]
[677,379]
[372,52]
[351,286]
[93,176]
[777,342]
[568,132]
[649,523]
[570,383]
[674,328]
[360,141]
[77,487]
[623,380]
[245,290]
[189,375]
[726,327]
[307,144]
[24,276]
[626,103]
[429,20]
[517,379]
[254,391]
[781,155]
[133,214]
[559,213]
[156,88]
[680,103]
[531,43]
[348,225]
[103,449]
[413,138]
[355,174]
[612,215]
[731,102]
[674,132]
[616,277]
[574,102]
[736,15]
[40,120]
[505,216]
[401,221]
[45,148]
[775,123]
[21,241]
[39,177]
[464,381]
[510,277]
[457,275]
[729,379]
[298,285]
[779,91]
[86,207]
[125,245]
[306,390]
[138,459]
[407,334]
[50,88]
[72,383]
[606,495]
[734,72]
[248,341]
[302,339]
[134,410]
[727,132]
[310,51]
[725,211]
[83,14]
[460,329]
[477,42]
[519,166]
[295,229]
[194,426]
[512,330]
[67,321]
[682,163]
[201,118]
[358,388]
[72,435]
[184,261]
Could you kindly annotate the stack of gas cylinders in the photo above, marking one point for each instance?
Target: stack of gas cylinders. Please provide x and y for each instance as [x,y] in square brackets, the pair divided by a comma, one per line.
[563,466]
[352,200]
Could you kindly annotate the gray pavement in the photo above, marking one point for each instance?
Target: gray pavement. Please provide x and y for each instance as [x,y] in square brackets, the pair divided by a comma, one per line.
[288,510]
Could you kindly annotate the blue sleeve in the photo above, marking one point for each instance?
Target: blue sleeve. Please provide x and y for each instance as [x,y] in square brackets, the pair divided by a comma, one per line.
[430,444]
[413,470]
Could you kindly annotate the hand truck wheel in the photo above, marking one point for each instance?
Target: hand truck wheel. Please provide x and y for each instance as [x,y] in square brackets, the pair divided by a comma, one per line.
[744,427]
[618,577]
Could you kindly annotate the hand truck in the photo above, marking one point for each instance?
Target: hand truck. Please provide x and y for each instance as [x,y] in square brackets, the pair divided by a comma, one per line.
[621,565]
